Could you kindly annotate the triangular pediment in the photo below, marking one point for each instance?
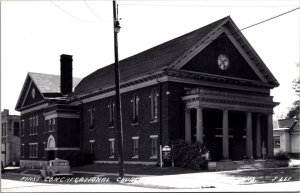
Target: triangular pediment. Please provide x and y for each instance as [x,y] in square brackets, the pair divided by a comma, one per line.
[227,42]
[33,96]
[30,94]
[222,58]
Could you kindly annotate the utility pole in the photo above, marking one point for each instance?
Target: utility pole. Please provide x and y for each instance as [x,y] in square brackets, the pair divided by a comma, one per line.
[118,123]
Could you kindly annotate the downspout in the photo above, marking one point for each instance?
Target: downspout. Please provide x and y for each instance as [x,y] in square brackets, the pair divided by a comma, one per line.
[81,125]
[160,121]
[160,112]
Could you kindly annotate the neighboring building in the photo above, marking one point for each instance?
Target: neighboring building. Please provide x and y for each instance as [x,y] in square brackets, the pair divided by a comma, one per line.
[287,137]
[208,86]
[10,138]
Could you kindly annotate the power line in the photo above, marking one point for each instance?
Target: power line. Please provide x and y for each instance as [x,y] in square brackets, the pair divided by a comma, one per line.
[91,10]
[221,36]
[199,5]
[254,24]
[270,18]
[95,14]
[74,17]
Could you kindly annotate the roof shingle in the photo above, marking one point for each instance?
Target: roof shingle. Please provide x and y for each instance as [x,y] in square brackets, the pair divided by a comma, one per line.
[49,83]
[153,59]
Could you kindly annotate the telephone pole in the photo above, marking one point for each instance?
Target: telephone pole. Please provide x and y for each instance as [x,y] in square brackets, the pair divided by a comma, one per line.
[118,123]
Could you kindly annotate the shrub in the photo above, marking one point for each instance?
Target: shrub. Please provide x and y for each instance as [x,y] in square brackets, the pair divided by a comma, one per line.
[78,159]
[281,155]
[194,156]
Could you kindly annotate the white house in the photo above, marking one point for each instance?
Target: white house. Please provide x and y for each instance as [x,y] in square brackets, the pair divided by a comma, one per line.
[287,136]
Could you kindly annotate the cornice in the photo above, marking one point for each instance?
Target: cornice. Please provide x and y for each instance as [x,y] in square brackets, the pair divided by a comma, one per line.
[218,79]
[206,96]
[123,87]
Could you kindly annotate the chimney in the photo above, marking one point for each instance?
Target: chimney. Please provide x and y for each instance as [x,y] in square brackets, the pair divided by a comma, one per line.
[66,78]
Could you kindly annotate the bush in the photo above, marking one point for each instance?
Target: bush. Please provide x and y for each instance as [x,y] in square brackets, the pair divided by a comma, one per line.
[281,155]
[78,159]
[194,156]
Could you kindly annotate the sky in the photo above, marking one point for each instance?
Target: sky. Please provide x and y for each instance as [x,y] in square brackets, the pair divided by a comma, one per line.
[35,33]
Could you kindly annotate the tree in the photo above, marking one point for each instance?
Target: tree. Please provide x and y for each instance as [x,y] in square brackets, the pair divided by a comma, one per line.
[295,110]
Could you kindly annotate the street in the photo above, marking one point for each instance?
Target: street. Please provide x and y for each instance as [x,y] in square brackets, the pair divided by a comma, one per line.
[277,179]
[12,183]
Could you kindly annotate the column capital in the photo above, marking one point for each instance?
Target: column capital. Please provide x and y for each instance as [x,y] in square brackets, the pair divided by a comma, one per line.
[187,109]
[225,109]
[199,107]
[259,114]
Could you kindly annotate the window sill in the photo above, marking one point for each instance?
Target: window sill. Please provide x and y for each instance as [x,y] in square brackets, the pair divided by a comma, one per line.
[51,131]
[111,126]
[135,124]
[111,157]
[154,121]
[135,157]
[32,134]
[153,157]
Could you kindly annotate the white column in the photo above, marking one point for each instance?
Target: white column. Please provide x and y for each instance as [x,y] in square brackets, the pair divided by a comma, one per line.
[249,136]
[225,135]
[258,138]
[270,151]
[199,132]
[188,126]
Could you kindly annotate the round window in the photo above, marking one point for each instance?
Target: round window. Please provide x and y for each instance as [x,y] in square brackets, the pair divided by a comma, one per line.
[223,62]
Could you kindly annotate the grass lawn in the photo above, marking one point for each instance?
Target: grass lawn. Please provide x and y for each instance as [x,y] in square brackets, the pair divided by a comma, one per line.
[134,169]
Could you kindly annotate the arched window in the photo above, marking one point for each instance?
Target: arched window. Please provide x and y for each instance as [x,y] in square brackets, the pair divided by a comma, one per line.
[154,107]
[135,108]
[51,142]
[111,112]
[92,116]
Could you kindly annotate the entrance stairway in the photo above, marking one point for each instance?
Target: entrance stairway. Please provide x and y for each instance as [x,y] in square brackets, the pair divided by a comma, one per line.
[249,164]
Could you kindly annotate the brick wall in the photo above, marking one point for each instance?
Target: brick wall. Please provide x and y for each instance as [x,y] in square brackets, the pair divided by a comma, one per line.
[176,108]
[101,132]
[39,138]
[172,121]
[68,132]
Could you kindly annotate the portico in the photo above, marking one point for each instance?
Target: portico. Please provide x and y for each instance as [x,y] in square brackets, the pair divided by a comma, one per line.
[238,116]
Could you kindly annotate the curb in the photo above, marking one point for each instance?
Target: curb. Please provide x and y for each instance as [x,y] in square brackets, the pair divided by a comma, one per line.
[21,174]
[104,173]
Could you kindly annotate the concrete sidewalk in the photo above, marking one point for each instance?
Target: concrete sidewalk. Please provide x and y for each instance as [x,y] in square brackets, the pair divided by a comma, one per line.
[231,180]
[269,179]
[223,180]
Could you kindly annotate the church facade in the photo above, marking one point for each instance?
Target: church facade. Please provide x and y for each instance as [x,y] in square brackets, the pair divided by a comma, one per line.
[207,86]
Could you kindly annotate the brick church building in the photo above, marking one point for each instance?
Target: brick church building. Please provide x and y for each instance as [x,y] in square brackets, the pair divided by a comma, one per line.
[208,85]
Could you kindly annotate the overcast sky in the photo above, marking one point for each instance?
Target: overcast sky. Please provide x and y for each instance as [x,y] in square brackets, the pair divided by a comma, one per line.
[35,33]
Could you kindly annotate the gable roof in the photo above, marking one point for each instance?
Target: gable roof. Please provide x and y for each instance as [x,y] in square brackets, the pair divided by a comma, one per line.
[47,84]
[153,59]
[165,56]
[289,123]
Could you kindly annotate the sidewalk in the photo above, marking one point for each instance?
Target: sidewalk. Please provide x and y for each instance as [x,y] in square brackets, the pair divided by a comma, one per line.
[231,180]
[178,178]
